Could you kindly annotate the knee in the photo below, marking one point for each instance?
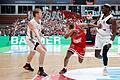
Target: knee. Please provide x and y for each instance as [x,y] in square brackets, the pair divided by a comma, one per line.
[32,52]
[40,50]
[97,54]
[105,49]
[80,60]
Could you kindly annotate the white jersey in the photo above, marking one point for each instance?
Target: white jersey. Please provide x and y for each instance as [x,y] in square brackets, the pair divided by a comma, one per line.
[31,34]
[105,29]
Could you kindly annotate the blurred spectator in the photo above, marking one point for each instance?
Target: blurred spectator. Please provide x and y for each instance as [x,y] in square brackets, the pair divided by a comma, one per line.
[29,15]
[118,31]
[0,32]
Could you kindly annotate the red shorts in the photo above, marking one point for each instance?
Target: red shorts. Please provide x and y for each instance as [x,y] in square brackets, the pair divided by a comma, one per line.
[76,49]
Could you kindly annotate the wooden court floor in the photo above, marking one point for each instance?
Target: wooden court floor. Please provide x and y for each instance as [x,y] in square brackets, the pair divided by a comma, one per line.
[11,65]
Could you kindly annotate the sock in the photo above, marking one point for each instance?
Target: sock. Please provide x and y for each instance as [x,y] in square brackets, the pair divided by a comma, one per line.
[27,62]
[40,65]
[65,67]
[105,66]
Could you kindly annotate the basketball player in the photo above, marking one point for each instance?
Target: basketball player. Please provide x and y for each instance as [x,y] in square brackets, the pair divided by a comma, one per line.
[34,42]
[78,44]
[106,32]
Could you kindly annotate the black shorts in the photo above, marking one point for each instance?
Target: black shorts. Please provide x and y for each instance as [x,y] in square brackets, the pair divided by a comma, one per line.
[36,44]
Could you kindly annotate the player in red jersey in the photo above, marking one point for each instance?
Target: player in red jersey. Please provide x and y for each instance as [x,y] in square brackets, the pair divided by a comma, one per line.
[78,44]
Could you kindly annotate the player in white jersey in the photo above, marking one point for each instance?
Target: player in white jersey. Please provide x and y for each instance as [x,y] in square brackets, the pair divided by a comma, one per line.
[34,42]
[106,32]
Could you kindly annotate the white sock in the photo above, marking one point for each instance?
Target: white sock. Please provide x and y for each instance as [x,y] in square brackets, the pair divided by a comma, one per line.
[28,62]
[65,67]
[40,65]
[105,66]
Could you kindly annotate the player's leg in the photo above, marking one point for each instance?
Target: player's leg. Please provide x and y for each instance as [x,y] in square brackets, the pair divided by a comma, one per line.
[27,66]
[81,53]
[105,59]
[68,55]
[31,45]
[98,47]
[80,59]
[66,60]
[42,52]
[97,53]
[81,50]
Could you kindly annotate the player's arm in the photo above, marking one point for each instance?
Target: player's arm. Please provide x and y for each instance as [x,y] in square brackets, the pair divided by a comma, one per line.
[67,35]
[36,33]
[42,34]
[94,24]
[71,32]
[113,25]
[84,25]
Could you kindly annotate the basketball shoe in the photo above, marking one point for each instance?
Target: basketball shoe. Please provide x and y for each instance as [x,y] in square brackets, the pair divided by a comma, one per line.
[28,67]
[41,72]
[63,71]
[105,72]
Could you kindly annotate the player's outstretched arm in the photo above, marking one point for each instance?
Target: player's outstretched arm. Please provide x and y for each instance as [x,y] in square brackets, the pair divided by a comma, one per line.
[92,25]
[86,25]
[67,35]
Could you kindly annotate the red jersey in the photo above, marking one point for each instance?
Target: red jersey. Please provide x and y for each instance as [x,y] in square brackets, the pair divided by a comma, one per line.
[78,42]
[80,38]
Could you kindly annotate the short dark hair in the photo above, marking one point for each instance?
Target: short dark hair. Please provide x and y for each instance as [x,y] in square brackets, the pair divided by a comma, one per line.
[36,10]
[71,26]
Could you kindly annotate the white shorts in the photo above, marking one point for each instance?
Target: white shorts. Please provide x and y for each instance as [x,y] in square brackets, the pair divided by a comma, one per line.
[100,41]
[32,44]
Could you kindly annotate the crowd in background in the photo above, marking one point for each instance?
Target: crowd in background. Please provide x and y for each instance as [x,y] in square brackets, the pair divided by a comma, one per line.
[49,27]
[18,28]
[53,27]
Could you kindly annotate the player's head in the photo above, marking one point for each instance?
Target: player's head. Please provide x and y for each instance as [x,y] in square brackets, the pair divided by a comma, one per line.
[37,13]
[106,8]
[71,26]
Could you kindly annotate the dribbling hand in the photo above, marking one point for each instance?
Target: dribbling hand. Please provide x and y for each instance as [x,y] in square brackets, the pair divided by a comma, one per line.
[44,48]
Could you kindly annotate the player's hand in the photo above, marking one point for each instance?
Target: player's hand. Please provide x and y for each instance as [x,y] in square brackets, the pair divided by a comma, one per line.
[100,26]
[74,30]
[44,48]
[92,25]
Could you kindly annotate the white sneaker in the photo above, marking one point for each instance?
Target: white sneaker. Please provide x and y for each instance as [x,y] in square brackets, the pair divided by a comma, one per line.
[105,72]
